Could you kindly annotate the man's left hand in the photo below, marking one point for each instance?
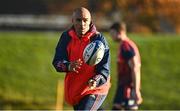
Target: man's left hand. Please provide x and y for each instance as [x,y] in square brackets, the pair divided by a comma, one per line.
[139,99]
[92,83]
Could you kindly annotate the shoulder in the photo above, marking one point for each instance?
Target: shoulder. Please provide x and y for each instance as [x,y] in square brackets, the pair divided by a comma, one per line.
[99,36]
[126,45]
[129,44]
[64,39]
[65,35]
[127,51]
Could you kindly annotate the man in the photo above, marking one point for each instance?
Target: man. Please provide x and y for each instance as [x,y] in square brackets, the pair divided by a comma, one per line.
[85,86]
[128,95]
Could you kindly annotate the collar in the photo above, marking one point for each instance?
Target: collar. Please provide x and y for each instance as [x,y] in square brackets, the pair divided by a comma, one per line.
[92,31]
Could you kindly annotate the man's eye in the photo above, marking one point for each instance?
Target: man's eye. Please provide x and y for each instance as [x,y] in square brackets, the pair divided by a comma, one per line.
[79,20]
[85,20]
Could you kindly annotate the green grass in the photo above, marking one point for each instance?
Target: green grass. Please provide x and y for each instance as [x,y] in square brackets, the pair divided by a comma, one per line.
[160,72]
[29,81]
[27,78]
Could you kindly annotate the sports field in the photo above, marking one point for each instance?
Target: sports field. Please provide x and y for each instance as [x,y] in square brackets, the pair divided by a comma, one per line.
[29,81]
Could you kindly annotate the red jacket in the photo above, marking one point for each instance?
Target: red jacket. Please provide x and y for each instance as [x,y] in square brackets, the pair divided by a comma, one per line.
[70,48]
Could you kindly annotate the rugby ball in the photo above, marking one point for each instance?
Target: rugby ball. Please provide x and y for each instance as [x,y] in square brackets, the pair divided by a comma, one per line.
[93,52]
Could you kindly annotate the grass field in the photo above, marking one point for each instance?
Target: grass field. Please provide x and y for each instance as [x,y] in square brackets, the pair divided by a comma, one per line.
[29,81]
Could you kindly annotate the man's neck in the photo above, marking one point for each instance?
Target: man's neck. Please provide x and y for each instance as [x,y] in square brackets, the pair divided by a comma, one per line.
[123,37]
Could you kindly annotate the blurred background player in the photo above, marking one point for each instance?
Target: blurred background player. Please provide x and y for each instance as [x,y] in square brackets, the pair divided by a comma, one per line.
[85,86]
[128,95]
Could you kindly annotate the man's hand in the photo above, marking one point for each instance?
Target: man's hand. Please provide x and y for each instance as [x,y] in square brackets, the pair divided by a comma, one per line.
[139,99]
[92,83]
[75,65]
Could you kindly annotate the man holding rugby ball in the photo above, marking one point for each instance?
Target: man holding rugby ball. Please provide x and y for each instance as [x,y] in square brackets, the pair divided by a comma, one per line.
[86,86]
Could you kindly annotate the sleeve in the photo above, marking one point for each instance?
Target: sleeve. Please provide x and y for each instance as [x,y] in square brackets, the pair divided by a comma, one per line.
[103,68]
[127,51]
[60,61]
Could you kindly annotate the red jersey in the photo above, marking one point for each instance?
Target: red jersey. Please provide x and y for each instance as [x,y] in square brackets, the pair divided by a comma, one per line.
[127,50]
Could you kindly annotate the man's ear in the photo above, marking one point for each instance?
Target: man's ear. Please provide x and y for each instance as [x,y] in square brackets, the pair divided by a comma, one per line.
[91,23]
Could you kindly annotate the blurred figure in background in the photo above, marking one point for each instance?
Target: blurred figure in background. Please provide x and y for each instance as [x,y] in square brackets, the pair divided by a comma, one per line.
[86,86]
[128,95]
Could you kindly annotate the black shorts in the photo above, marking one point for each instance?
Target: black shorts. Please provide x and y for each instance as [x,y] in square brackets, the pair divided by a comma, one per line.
[125,102]
[90,102]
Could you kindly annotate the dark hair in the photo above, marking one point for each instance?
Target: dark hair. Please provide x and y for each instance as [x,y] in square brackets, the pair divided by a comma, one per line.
[118,26]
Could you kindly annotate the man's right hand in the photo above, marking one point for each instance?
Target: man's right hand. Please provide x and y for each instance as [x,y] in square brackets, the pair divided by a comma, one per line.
[75,65]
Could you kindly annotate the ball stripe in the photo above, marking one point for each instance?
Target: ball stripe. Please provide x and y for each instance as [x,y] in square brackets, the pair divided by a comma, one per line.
[94,52]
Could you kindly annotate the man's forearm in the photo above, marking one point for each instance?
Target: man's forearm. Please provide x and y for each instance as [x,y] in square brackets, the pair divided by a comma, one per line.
[136,78]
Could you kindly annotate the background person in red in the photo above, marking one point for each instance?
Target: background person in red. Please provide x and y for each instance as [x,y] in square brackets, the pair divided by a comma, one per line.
[85,86]
[128,95]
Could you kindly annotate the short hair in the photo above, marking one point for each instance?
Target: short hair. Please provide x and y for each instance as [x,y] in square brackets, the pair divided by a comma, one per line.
[118,26]
[80,10]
